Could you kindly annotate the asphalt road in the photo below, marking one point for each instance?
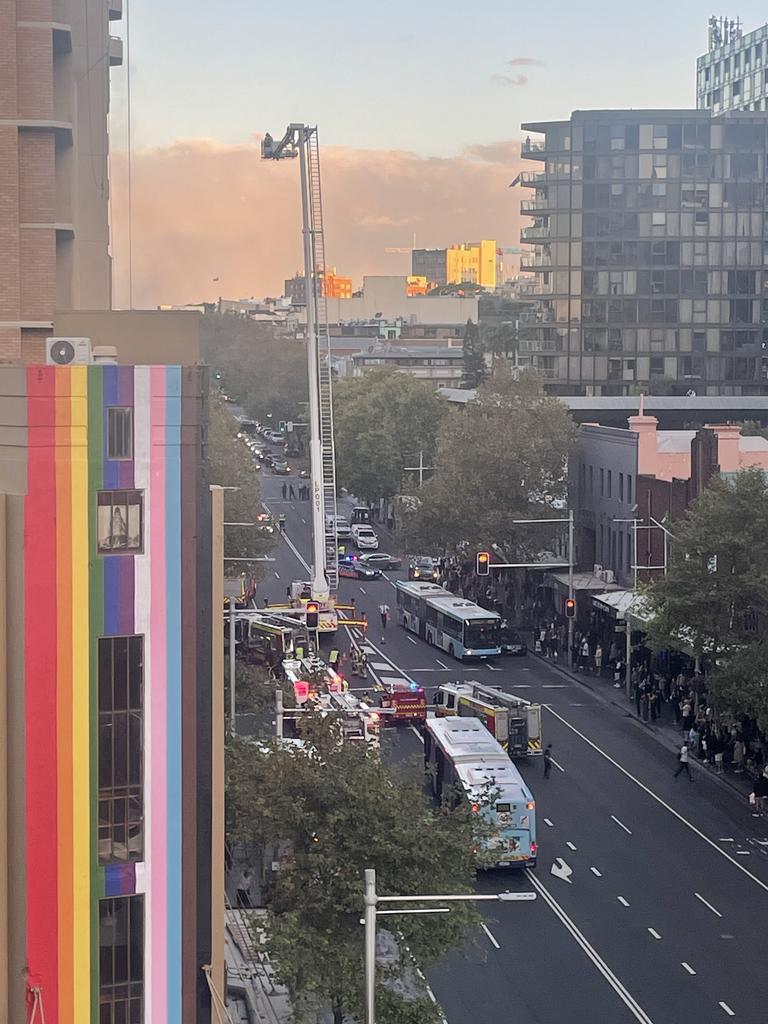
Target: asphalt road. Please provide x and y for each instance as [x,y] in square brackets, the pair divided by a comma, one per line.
[661,917]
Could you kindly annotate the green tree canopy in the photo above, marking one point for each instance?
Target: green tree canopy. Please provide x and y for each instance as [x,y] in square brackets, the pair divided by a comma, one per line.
[501,457]
[475,370]
[382,421]
[338,810]
[716,591]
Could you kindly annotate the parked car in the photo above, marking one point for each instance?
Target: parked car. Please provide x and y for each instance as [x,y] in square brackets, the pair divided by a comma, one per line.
[381,560]
[343,531]
[280,466]
[364,537]
[511,642]
[422,567]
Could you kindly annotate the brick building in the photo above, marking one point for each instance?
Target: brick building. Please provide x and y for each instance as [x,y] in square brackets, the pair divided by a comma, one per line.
[55,57]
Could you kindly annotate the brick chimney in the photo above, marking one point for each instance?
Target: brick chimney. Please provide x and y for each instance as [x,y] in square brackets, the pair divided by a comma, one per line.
[645,428]
[728,457]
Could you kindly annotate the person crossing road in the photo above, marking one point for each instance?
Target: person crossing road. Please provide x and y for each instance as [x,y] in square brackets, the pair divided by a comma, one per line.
[385,616]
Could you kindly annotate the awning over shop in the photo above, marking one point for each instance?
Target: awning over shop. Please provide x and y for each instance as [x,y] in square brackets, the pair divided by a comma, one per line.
[623,603]
[583,581]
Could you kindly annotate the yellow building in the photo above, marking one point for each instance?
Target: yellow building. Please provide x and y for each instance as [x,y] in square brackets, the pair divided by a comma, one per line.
[473,262]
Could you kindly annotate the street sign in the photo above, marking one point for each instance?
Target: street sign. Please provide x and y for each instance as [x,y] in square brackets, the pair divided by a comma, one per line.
[289,426]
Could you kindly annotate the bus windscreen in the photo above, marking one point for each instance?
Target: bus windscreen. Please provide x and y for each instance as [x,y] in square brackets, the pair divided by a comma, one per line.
[481,633]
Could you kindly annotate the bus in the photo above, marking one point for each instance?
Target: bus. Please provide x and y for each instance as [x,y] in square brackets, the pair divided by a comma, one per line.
[461,756]
[460,628]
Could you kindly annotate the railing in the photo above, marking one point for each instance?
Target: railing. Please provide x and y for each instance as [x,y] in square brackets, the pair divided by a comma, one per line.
[532,147]
[534,206]
[534,234]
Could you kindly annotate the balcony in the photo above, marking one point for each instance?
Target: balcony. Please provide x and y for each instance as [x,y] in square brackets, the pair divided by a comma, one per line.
[532,265]
[533,207]
[115,51]
[531,150]
[535,234]
[533,180]
[115,10]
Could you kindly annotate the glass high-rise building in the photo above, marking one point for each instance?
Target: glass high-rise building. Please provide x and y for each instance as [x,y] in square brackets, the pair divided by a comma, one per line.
[733,73]
[649,247]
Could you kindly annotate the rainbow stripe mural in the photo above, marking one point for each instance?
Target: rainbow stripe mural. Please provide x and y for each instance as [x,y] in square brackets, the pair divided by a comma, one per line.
[74,596]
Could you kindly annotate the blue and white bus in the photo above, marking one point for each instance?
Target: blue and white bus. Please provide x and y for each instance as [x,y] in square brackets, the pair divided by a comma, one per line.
[461,628]
[462,759]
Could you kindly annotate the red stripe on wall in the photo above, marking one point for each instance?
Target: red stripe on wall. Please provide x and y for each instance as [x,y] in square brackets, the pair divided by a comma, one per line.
[40,686]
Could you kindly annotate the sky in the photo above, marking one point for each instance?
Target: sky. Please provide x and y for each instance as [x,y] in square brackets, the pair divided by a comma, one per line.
[419,107]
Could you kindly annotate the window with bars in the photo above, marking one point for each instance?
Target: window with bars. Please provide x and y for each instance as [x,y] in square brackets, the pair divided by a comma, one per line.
[119,522]
[119,433]
[121,960]
[121,728]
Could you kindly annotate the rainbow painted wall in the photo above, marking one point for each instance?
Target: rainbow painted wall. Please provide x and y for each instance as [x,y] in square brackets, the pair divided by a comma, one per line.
[72,596]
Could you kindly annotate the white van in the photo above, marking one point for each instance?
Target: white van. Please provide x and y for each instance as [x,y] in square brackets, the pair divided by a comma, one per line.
[364,537]
[342,527]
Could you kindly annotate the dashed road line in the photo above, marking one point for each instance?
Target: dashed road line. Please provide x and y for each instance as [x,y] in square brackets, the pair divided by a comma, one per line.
[411,639]
[363,590]
[654,933]
[441,664]
[622,901]
[554,686]
[558,766]
[727,1009]
[595,872]
[570,846]
[277,575]
[490,935]
[687,967]
[629,1000]
[707,904]
[621,824]
[548,822]
[493,668]
[654,796]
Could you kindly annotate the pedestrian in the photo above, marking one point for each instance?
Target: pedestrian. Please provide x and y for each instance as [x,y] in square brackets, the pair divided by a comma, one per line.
[599,659]
[738,755]
[285,490]
[547,760]
[291,492]
[618,669]
[759,792]
[584,661]
[243,896]
[683,765]
[384,614]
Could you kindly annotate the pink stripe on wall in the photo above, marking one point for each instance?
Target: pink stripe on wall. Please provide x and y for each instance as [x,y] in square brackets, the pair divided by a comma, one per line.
[158,997]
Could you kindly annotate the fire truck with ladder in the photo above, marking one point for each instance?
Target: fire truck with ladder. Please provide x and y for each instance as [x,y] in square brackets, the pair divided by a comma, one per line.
[514,722]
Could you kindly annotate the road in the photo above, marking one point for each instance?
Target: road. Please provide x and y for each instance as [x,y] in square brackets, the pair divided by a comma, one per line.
[660,919]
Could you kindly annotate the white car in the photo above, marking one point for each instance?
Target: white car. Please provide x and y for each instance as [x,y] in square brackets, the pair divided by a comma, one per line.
[343,531]
[364,537]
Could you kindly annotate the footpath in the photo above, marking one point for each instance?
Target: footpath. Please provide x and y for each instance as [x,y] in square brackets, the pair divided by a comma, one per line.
[664,729]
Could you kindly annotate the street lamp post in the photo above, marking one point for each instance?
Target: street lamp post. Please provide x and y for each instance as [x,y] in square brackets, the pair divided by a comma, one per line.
[371,902]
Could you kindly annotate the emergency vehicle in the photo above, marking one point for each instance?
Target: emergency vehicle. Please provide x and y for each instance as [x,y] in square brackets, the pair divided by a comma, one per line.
[403,701]
[317,686]
[515,723]
[299,593]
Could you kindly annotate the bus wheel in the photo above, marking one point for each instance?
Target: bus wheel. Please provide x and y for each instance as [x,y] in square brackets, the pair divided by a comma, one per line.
[450,650]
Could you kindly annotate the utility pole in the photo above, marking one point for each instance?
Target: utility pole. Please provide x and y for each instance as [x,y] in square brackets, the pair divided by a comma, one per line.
[232,680]
[570,587]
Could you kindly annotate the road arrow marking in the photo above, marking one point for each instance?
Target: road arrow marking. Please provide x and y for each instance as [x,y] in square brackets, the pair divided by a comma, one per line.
[561,870]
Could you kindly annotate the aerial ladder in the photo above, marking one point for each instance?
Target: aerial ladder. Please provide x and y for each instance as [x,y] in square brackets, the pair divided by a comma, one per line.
[301,141]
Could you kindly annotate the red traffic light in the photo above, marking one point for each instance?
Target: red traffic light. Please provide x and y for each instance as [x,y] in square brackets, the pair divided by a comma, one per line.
[483,563]
[570,607]
[313,614]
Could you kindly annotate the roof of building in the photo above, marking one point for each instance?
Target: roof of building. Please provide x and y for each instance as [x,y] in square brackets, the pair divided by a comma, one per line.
[672,442]
[583,581]
[753,444]
[422,351]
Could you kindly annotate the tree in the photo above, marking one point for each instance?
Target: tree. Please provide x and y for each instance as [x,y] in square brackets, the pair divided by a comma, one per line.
[382,421]
[338,810]
[501,457]
[263,370]
[231,465]
[475,370]
[714,598]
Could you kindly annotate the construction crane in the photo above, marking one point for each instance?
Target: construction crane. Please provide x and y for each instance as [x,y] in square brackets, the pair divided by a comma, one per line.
[300,140]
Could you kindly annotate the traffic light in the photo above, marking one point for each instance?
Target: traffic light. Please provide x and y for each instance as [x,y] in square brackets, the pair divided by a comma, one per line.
[313,614]
[281,426]
[483,565]
[570,607]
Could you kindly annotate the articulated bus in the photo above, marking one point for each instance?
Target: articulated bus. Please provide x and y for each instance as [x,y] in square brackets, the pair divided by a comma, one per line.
[459,627]
[460,755]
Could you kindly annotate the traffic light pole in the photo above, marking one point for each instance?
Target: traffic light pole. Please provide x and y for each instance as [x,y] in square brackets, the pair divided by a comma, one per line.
[570,588]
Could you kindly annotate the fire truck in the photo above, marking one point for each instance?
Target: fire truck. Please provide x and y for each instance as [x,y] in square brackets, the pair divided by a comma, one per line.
[402,700]
[317,686]
[299,593]
[514,722]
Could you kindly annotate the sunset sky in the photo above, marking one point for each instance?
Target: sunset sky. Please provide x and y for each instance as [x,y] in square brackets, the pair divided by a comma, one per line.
[419,108]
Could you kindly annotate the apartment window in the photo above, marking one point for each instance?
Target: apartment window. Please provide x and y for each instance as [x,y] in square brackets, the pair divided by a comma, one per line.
[121,727]
[591,479]
[119,522]
[602,482]
[621,487]
[610,483]
[121,960]
[119,433]
[629,489]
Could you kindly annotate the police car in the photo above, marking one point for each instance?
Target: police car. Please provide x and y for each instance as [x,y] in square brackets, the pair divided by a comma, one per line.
[352,567]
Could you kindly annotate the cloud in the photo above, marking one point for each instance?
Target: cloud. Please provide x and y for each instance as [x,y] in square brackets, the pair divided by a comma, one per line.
[517,62]
[510,80]
[203,209]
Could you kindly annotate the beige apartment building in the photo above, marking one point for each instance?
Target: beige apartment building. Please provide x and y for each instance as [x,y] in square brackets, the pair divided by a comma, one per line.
[55,57]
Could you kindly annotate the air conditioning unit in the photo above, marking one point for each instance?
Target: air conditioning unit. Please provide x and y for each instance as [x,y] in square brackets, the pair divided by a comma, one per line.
[596,569]
[607,576]
[68,351]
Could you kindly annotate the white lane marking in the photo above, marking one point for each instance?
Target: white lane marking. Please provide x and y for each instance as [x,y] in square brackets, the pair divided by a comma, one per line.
[441,663]
[571,846]
[277,576]
[548,822]
[304,521]
[558,766]
[621,824]
[595,872]
[411,639]
[381,666]
[654,933]
[554,686]
[493,668]
[658,799]
[726,840]
[488,932]
[629,1001]
[727,1009]
[742,853]
[362,590]
[417,734]
[707,904]
[687,967]
[561,870]
[520,686]
[622,901]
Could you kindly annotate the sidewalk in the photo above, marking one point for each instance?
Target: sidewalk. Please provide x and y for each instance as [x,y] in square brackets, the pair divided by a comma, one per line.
[663,729]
